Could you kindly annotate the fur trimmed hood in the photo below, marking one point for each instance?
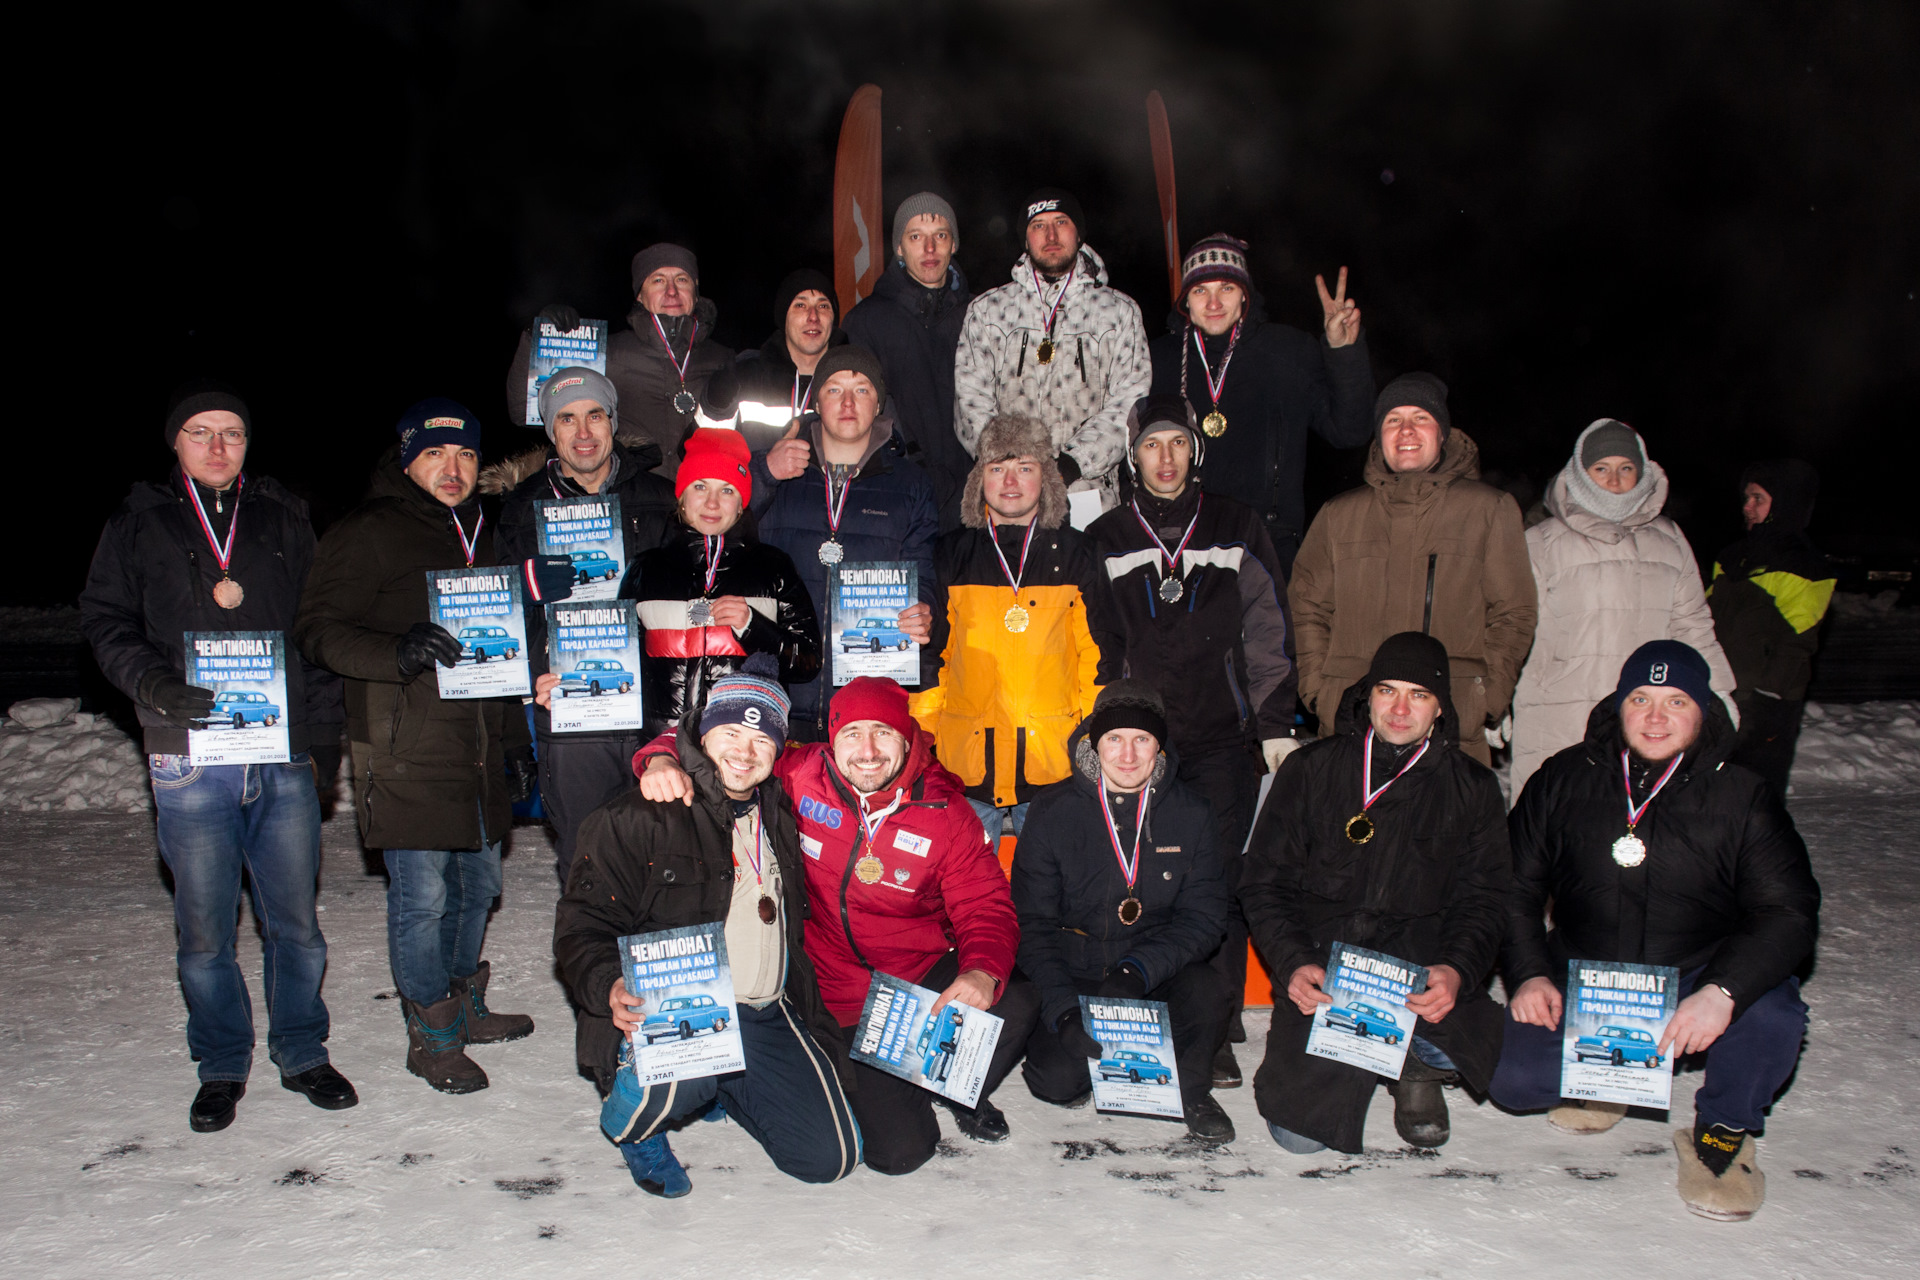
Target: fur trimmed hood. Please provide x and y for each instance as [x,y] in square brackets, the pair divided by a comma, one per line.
[1015,435]
[505,477]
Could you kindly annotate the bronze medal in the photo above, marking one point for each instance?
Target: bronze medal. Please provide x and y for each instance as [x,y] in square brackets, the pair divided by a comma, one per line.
[1214,424]
[869,869]
[767,910]
[1359,828]
[1045,354]
[1130,911]
[228,594]
[1018,619]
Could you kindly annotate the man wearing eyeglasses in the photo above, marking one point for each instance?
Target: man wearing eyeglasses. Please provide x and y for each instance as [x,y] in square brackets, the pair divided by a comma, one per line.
[216,549]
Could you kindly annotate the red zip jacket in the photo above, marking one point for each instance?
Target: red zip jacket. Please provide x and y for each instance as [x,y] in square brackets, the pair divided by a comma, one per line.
[940,886]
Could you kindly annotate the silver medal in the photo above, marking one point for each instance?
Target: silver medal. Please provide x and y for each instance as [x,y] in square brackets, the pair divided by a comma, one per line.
[1629,850]
[683,402]
[700,613]
[832,552]
[1171,590]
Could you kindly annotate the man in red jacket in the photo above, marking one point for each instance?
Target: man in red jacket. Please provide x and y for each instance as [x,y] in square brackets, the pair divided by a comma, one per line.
[901,881]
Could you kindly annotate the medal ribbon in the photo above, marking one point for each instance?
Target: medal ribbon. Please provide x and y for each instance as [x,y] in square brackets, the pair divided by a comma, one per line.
[1053,311]
[1635,814]
[797,400]
[1216,385]
[871,823]
[1013,579]
[759,850]
[1128,868]
[714,547]
[834,509]
[680,364]
[1173,556]
[223,553]
[1367,789]
[466,544]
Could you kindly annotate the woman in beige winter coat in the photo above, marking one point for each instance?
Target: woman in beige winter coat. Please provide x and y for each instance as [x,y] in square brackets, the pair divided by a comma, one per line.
[1612,573]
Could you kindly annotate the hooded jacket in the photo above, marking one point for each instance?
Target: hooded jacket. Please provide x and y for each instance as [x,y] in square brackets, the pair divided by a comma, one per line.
[915,332]
[428,772]
[888,515]
[1771,589]
[152,580]
[1605,588]
[1434,551]
[645,377]
[1100,364]
[1430,887]
[1726,882]
[940,888]
[678,661]
[768,378]
[1217,655]
[1068,886]
[644,866]
[1281,384]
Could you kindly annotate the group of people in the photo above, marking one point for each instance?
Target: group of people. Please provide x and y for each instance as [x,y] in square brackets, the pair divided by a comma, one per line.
[1111,696]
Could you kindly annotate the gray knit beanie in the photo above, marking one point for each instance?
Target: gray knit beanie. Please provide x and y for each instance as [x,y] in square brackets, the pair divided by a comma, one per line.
[1611,438]
[915,205]
[656,256]
[576,382]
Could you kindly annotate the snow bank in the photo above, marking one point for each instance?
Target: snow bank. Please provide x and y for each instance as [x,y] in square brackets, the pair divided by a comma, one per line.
[55,756]
[1869,747]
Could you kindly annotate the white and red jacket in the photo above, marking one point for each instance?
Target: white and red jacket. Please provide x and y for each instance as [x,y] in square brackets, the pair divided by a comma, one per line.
[940,886]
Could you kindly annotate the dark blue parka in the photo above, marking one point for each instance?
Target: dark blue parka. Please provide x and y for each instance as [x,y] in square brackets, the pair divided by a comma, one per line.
[888,515]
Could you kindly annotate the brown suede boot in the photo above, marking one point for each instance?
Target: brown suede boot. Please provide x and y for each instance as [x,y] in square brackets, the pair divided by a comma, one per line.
[436,1045]
[484,1026]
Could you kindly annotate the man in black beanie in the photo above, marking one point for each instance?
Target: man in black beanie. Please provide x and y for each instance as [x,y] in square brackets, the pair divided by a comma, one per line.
[1119,891]
[1384,836]
[659,364]
[763,391]
[175,559]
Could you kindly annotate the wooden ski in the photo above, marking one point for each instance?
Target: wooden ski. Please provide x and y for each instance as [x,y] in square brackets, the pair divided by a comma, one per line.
[1161,138]
[859,234]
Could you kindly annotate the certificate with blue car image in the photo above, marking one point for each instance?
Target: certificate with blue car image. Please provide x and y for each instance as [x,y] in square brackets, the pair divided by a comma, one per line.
[1368,1024]
[686,999]
[247,672]
[947,1052]
[1135,1071]
[587,531]
[1611,1028]
[481,609]
[595,650]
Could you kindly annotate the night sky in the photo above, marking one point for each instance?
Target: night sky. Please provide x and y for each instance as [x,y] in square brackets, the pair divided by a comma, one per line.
[1696,217]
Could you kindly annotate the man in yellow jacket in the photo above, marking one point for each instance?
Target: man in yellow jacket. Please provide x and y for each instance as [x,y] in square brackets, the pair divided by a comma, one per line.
[1023,636]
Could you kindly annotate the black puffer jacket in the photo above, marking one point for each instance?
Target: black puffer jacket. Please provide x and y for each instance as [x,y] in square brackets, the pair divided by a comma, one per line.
[644,866]
[426,770]
[647,517]
[1068,887]
[645,377]
[152,581]
[766,376]
[1281,384]
[1726,882]
[1771,589]
[678,661]
[1430,887]
[914,330]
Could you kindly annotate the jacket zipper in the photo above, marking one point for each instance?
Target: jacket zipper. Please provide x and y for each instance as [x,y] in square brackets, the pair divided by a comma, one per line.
[1233,683]
[1426,622]
[1020,366]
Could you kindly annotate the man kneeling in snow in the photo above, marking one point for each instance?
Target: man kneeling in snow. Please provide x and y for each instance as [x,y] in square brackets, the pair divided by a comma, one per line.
[1712,879]
[732,854]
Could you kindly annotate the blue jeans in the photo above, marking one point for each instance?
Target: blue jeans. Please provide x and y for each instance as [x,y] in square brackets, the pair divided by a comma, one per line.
[215,822]
[437,904]
[1013,817]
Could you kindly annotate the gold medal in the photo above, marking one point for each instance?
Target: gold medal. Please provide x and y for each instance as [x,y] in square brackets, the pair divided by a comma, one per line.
[1359,828]
[1045,353]
[1018,619]
[1130,911]
[1214,424]
[227,594]
[869,869]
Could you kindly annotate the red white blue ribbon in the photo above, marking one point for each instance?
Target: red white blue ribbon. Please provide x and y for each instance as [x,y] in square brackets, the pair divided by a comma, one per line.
[1129,867]
[1053,311]
[1013,578]
[466,544]
[714,548]
[679,364]
[1634,814]
[1216,385]
[1368,792]
[223,552]
[1173,556]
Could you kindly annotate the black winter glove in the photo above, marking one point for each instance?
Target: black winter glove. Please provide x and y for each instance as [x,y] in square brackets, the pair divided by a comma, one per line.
[424,644]
[184,704]
[560,316]
[552,577]
[1074,1038]
[1069,469]
[521,771]
[1125,983]
[326,765]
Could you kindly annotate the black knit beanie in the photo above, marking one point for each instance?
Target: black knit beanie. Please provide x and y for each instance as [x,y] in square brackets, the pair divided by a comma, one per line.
[1052,200]
[797,283]
[1415,657]
[850,357]
[203,396]
[1128,704]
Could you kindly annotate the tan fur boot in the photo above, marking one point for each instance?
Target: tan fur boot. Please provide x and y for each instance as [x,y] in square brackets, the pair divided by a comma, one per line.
[1734,1196]
[1582,1116]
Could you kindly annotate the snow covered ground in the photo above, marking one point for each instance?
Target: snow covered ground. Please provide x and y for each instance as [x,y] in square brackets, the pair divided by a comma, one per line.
[103,1178]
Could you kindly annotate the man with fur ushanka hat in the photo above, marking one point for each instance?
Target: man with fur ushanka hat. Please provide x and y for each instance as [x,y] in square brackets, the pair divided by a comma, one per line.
[1022,631]
[1420,872]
